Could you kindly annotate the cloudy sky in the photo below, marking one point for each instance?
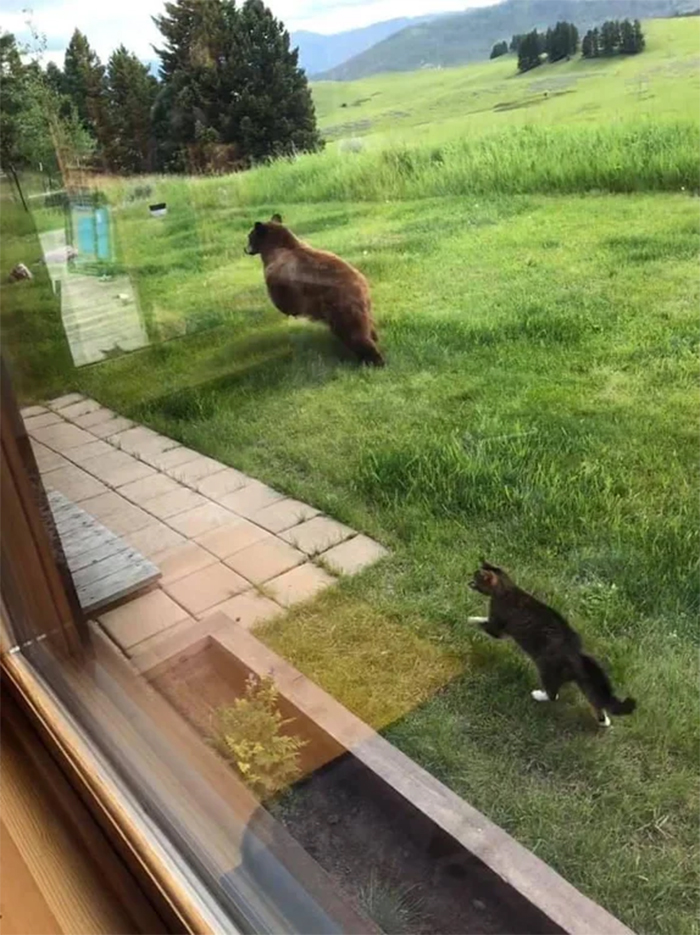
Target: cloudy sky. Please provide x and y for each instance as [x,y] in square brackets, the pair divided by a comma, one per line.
[110,23]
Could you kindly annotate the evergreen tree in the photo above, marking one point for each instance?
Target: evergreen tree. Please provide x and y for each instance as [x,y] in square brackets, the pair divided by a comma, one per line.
[515,42]
[529,51]
[84,83]
[271,112]
[573,39]
[628,44]
[187,111]
[587,45]
[610,37]
[561,42]
[232,91]
[639,40]
[131,93]
[549,44]
[54,78]
[500,48]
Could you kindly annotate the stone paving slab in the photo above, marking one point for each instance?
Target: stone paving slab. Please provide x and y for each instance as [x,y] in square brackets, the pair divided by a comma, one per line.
[265,560]
[353,555]
[30,411]
[38,422]
[110,427]
[283,514]
[204,589]
[222,540]
[299,584]
[317,535]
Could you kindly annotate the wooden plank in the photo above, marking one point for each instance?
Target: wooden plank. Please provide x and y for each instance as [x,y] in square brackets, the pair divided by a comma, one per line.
[91,557]
[105,569]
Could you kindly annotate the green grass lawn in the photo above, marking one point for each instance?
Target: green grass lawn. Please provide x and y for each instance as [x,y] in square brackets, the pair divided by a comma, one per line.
[534,271]
[539,407]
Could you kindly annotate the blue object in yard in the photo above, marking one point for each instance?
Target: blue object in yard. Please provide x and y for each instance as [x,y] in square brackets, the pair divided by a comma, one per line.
[92,233]
[102,233]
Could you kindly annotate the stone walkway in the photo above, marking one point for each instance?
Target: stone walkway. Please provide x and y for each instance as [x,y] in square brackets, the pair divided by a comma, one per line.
[223,541]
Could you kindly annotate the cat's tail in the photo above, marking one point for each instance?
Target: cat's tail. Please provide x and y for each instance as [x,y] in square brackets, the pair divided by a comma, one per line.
[596,686]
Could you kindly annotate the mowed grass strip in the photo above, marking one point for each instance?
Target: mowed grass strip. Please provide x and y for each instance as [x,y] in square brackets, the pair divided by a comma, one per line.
[377,667]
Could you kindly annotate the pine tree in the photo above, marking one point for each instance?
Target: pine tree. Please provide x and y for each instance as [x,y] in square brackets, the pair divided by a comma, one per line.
[84,83]
[131,93]
[193,34]
[561,42]
[573,39]
[232,91]
[640,41]
[271,111]
[587,45]
[515,42]
[187,112]
[609,35]
[627,38]
[500,48]
[529,51]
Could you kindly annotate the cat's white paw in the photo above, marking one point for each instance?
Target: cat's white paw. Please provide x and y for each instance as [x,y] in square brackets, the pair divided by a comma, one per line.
[606,722]
[477,619]
[539,695]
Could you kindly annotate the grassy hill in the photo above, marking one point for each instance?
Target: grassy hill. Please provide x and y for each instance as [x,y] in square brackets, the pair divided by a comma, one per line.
[469,36]
[661,84]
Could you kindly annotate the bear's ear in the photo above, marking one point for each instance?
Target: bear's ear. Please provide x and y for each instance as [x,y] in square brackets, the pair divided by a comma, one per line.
[258,226]
[276,218]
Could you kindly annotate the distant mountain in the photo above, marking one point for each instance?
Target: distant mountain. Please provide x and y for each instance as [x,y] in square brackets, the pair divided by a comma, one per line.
[459,38]
[319,53]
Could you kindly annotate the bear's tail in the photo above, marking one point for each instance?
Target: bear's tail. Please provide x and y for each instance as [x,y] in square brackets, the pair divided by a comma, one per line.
[596,686]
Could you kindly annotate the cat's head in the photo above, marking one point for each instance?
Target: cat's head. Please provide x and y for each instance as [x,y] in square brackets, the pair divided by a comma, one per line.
[489,579]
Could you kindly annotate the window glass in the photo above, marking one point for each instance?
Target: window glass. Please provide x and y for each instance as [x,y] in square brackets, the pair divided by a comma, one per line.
[356,355]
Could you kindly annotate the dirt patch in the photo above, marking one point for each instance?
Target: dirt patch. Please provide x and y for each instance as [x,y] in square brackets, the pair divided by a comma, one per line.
[392,867]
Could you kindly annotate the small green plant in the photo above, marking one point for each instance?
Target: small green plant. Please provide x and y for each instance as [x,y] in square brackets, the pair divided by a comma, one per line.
[395,909]
[249,734]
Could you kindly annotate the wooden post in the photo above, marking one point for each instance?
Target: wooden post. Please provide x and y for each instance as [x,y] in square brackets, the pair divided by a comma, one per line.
[36,587]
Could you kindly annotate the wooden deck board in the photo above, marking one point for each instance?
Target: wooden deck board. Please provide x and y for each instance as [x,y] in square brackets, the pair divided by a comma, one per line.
[104,568]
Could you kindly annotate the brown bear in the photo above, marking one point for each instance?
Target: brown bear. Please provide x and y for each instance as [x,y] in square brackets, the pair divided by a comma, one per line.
[315,284]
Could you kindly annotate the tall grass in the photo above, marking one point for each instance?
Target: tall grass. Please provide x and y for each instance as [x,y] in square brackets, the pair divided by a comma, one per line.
[624,157]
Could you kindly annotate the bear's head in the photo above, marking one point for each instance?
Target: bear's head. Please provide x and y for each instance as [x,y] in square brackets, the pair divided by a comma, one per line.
[263,235]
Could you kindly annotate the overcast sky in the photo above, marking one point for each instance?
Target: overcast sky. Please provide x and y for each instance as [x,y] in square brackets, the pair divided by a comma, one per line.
[111,23]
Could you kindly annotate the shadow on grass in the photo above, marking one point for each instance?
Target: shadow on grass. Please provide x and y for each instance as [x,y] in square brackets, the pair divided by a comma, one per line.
[261,364]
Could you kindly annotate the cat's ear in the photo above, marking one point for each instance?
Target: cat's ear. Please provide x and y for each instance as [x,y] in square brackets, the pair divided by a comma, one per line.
[491,578]
[489,567]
